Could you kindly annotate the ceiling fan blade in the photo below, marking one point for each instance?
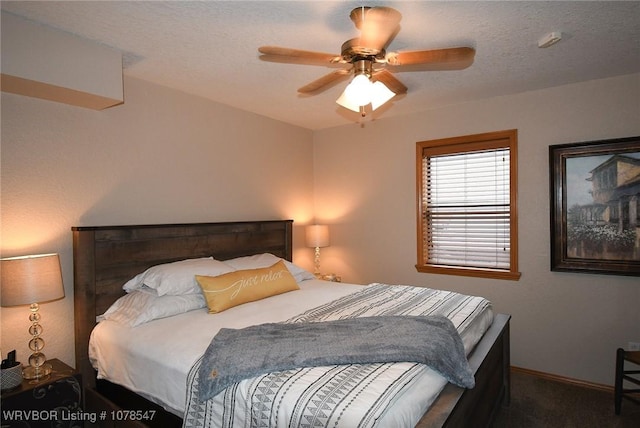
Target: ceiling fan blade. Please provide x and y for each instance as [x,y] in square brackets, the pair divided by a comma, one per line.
[297,56]
[450,55]
[325,81]
[384,76]
[377,25]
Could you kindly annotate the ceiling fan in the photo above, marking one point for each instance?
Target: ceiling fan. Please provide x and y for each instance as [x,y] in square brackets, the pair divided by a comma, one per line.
[371,66]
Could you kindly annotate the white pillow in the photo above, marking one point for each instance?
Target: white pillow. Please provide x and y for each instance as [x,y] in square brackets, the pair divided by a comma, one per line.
[178,277]
[265,260]
[139,307]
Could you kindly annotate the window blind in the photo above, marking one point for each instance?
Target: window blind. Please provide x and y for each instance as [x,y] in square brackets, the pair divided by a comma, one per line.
[467,209]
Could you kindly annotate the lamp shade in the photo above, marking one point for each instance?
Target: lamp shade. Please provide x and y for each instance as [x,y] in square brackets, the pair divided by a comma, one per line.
[31,279]
[317,235]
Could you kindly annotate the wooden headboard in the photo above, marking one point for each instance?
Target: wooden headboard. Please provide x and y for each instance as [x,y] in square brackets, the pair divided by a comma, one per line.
[105,257]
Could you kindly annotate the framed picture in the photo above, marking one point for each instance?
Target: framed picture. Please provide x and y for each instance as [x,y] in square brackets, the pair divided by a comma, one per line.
[595,206]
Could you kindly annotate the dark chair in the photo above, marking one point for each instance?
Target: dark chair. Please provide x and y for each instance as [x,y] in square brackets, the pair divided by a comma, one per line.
[626,375]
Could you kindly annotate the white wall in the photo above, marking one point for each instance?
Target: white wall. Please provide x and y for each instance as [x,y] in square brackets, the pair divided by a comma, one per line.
[165,156]
[563,323]
[162,157]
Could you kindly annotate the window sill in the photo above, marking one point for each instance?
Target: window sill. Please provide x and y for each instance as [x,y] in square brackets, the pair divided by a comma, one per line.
[474,272]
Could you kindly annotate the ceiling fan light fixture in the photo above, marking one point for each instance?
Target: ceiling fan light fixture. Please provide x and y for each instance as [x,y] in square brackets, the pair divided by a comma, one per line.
[361,92]
[380,94]
[345,102]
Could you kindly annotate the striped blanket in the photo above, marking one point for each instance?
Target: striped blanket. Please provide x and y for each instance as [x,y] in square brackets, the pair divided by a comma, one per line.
[352,395]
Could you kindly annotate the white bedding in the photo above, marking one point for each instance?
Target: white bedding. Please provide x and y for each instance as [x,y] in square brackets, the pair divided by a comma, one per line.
[154,359]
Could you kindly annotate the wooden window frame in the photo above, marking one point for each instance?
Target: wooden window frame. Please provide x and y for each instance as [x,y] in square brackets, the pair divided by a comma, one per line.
[491,140]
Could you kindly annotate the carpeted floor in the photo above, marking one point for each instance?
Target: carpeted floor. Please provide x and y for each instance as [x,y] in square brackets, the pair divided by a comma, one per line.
[541,403]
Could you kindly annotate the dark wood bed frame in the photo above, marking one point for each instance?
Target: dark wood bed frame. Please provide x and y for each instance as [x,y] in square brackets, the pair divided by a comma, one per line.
[106,257]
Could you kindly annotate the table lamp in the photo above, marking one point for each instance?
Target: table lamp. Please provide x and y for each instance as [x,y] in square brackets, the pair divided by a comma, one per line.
[30,280]
[317,236]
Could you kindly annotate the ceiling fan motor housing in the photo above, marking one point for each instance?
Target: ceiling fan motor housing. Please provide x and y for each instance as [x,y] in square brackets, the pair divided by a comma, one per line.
[353,51]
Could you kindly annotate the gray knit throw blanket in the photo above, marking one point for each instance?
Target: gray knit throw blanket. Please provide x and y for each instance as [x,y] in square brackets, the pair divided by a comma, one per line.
[237,354]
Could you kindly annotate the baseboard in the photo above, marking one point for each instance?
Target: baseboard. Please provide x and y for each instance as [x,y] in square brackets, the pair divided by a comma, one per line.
[563,379]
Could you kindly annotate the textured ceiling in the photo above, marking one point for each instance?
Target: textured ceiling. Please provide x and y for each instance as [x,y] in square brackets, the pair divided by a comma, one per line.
[209,48]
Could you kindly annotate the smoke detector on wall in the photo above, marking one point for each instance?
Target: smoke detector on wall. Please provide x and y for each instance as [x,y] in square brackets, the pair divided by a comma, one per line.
[549,39]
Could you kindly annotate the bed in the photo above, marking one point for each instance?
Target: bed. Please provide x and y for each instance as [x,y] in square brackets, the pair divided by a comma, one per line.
[106,257]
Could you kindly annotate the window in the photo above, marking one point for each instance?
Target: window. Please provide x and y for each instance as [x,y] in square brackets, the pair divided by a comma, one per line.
[467,217]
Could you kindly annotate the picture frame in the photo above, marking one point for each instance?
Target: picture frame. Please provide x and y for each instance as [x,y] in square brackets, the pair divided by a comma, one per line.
[595,206]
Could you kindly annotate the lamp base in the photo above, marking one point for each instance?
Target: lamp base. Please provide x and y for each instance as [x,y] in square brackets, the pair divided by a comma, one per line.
[31,372]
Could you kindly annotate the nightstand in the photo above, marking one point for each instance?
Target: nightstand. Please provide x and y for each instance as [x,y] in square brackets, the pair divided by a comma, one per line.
[55,400]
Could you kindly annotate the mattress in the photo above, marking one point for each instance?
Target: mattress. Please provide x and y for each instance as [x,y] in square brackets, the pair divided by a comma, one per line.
[154,359]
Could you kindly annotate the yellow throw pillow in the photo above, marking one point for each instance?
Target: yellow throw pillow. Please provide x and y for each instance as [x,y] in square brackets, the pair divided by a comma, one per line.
[242,286]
